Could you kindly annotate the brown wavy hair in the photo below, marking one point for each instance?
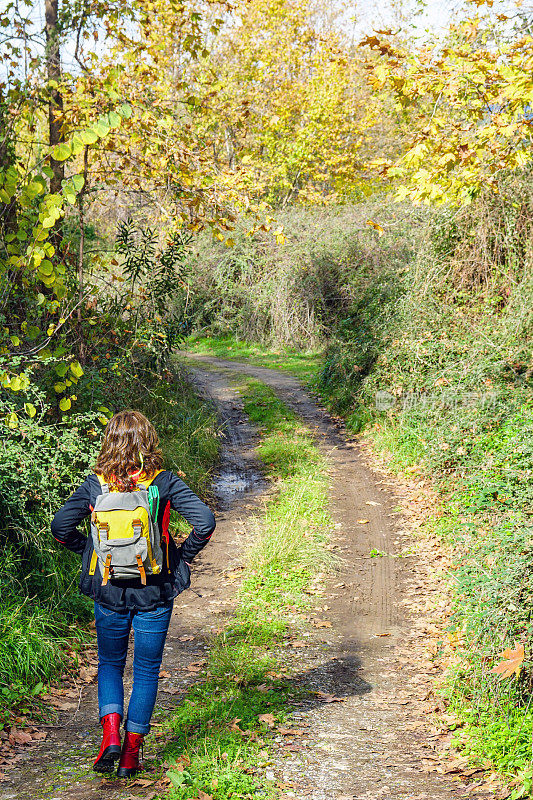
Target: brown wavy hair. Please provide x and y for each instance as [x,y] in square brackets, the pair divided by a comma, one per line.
[130,450]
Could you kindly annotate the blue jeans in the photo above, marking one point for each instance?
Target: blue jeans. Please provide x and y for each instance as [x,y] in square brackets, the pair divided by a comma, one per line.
[112,631]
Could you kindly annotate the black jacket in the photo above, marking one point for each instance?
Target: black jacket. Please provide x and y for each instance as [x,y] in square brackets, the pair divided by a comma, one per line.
[122,595]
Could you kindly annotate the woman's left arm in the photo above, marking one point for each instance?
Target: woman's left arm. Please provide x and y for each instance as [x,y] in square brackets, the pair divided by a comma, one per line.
[185,502]
[66,521]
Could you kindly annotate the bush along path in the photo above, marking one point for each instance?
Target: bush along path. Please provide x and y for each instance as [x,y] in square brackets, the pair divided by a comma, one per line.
[293,674]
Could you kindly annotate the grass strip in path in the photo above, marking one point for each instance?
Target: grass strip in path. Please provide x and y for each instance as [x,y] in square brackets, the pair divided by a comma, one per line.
[220,735]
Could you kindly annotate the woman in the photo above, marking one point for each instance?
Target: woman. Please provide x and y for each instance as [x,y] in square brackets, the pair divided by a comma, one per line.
[138,595]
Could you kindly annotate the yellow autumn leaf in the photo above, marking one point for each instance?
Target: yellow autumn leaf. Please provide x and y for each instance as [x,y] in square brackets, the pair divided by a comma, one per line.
[511,662]
[376,226]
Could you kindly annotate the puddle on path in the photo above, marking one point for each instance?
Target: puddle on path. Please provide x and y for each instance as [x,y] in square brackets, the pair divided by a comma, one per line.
[231,483]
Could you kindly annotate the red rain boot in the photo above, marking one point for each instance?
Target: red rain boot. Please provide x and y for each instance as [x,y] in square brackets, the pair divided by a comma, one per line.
[110,747]
[129,759]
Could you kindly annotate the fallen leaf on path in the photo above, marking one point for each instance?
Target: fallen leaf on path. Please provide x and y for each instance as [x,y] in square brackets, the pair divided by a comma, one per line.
[234,726]
[383,634]
[187,638]
[142,782]
[65,705]
[511,663]
[290,731]
[88,674]
[19,737]
[363,521]
[164,674]
[268,719]
[299,644]
[329,698]
[371,503]
[322,623]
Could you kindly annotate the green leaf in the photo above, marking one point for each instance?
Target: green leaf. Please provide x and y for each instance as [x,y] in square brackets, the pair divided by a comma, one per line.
[61,369]
[15,384]
[88,136]
[60,387]
[46,267]
[30,409]
[114,119]
[65,404]
[77,182]
[62,151]
[33,331]
[101,129]
[15,340]
[60,290]
[177,778]
[125,110]
[12,420]
[78,145]
[33,189]
[76,369]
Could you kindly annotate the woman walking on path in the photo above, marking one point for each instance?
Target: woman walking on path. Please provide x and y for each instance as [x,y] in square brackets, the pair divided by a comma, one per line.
[132,569]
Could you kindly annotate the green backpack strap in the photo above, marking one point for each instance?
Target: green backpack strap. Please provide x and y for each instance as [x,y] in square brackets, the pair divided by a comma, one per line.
[153,501]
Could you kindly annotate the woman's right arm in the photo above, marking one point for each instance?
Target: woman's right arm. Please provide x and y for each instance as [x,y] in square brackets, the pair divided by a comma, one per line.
[65,522]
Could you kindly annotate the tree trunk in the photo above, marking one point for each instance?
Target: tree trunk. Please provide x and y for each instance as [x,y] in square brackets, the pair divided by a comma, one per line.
[55,104]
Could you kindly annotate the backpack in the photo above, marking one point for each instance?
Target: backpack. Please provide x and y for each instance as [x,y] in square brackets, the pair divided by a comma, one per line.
[126,537]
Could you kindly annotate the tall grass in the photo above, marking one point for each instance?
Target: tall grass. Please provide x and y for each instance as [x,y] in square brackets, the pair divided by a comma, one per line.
[295,294]
[32,643]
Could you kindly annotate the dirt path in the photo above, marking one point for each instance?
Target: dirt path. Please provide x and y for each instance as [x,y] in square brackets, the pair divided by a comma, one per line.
[366,747]
[363,748]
